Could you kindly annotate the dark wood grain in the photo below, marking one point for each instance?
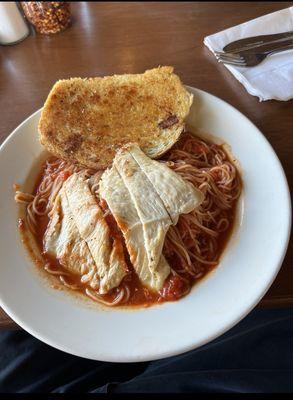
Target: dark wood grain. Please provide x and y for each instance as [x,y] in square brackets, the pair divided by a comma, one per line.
[107,38]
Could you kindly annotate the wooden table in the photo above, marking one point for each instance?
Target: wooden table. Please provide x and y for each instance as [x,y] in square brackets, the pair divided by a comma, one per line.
[107,38]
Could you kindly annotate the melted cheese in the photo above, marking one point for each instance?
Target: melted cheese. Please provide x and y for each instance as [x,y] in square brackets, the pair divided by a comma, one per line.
[178,196]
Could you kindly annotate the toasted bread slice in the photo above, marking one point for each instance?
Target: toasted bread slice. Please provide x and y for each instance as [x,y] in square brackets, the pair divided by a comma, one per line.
[87,120]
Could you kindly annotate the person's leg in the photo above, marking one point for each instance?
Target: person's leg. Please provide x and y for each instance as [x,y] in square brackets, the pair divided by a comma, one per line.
[28,365]
[254,356]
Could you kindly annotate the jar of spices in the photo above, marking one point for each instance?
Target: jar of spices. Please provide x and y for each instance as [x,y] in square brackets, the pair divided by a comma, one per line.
[47,16]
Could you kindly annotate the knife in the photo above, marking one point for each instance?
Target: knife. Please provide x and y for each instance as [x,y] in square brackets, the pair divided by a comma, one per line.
[256,41]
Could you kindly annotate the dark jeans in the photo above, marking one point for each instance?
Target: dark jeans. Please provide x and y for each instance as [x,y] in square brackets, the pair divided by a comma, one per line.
[255,356]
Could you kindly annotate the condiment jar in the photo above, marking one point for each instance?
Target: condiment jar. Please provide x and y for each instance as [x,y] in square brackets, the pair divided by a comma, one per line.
[47,16]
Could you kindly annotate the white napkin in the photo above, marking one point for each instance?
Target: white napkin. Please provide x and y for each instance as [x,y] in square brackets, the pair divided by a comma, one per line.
[273,78]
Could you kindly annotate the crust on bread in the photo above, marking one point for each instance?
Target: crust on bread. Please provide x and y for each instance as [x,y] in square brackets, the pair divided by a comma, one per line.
[87,120]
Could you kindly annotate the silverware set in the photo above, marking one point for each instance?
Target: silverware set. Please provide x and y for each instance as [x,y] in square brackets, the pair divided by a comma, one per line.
[251,51]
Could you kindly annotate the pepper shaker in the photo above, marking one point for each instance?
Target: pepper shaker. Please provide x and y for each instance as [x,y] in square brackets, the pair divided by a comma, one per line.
[47,17]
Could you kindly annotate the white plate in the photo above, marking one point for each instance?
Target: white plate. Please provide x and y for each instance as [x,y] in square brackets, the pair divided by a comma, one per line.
[247,269]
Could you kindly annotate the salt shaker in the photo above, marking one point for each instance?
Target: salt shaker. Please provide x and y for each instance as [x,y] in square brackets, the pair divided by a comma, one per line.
[13,27]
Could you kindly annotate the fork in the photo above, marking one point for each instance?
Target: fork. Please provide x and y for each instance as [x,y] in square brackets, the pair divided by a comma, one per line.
[247,58]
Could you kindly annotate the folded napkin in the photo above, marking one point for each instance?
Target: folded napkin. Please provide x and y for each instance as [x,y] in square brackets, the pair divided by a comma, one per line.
[273,78]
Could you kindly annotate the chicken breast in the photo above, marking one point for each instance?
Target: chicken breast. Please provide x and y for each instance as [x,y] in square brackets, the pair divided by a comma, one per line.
[150,209]
[110,264]
[63,241]
[146,198]
[177,195]
[117,196]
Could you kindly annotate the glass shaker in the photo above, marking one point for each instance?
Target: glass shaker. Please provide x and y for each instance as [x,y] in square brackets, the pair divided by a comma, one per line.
[47,17]
[13,28]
